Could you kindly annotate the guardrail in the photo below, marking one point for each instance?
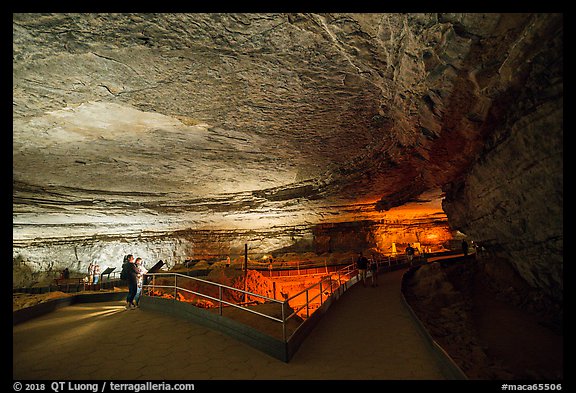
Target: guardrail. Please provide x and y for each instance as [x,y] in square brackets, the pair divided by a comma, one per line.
[295,315]
[305,301]
[150,290]
[308,299]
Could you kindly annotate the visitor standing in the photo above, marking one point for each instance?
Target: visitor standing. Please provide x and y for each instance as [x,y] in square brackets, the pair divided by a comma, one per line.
[362,265]
[465,247]
[141,272]
[96,273]
[131,275]
[409,254]
[374,271]
[91,273]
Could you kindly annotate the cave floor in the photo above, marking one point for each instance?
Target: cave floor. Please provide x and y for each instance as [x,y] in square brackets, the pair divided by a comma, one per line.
[367,334]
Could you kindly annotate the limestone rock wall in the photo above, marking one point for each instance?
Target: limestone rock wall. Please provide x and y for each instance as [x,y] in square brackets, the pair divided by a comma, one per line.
[41,262]
[36,262]
[511,200]
[258,127]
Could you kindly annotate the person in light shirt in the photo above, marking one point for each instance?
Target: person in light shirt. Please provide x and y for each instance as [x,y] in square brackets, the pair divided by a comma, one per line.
[96,273]
[91,272]
[141,271]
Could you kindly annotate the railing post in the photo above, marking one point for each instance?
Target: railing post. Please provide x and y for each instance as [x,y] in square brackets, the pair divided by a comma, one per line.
[175,285]
[320,292]
[307,309]
[283,322]
[220,299]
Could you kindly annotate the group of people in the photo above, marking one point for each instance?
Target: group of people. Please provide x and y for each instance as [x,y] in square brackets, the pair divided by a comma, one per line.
[93,273]
[363,265]
[65,274]
[133,271]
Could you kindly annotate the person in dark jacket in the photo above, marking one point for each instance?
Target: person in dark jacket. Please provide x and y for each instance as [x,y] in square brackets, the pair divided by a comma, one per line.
[410,254]
[374,270]
[465,247]
[362,265]
[132,282]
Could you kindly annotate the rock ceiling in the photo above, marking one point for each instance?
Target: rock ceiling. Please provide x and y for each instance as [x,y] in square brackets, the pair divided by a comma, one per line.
[128,122]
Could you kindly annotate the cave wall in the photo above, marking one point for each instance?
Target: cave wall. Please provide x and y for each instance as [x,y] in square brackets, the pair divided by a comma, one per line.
[351,236]
[330,112]
[511,199]
[37,262]
[43,261]
[363,235]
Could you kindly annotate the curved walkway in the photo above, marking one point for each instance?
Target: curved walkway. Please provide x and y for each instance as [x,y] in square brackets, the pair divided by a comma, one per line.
[367,334]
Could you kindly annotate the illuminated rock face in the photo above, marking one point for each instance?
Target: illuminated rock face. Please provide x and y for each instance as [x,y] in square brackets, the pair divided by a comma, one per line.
[130,130]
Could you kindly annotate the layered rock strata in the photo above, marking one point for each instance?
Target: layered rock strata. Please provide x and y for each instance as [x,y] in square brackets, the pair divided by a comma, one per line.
[37,260]
[511,199]
[135,127]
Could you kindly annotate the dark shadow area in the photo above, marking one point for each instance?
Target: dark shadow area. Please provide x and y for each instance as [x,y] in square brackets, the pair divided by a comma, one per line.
[487,333]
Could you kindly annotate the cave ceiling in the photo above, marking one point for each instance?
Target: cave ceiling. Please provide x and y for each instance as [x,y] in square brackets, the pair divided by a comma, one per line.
[128,122]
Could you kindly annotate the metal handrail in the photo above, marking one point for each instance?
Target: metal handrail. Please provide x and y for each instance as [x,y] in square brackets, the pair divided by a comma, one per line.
[220,300]
[347,270]
[308,300]
[216,284]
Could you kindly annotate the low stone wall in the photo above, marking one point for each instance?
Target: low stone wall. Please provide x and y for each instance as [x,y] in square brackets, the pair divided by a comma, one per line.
[263,342]
[40,309]
[448,365]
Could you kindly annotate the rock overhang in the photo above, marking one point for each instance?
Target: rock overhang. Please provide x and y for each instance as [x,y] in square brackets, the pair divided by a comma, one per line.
[141,123]
[281,106]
